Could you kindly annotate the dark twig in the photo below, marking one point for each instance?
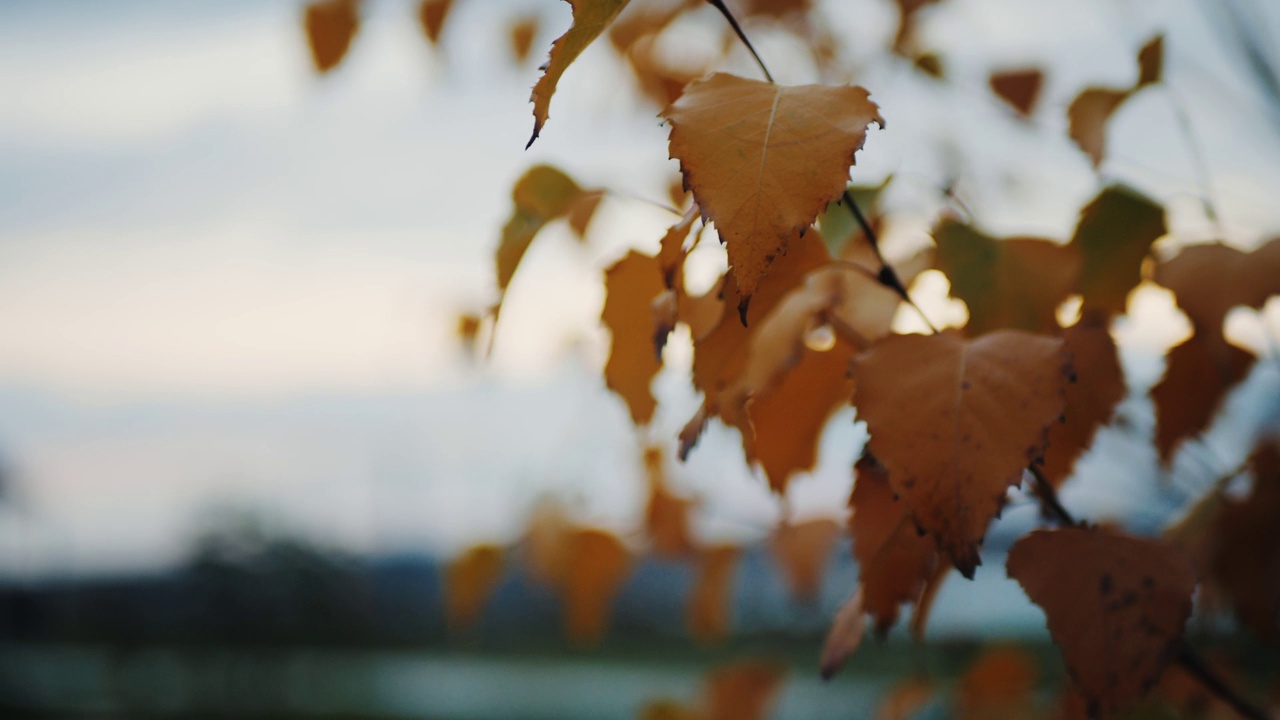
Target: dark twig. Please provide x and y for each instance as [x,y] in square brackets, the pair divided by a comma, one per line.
[886,276]
[733,23]
[1049,497]
[1200,670]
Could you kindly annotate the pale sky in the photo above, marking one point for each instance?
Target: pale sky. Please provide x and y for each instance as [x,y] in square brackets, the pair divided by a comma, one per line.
[224,280]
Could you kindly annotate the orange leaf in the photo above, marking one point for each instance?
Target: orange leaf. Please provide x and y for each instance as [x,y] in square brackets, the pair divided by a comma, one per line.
[520,34]
[546,544]
[666,514]
[541,195]
[776,8]
[763,160]
[631,286]
[1208,280]
[802,550]
[1091,398]
[469,581]
[904,700]
[596,566]
[590,18]
[1019,88]
[1116,606]
[906,26]
[711,600]
[432,14]
[1016,283]
[1087,119]
[1151,61]
[744,691]
[1113,237]
[999,685]
[894,560]
[330,26]
[845,635]
[1198,373]
[1247,556]
[955,422]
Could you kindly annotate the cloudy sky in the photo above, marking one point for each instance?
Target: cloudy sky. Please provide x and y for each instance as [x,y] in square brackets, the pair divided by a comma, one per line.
[225,281]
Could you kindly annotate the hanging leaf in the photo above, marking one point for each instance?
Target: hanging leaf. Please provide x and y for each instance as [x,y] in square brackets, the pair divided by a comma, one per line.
[1151,62]
[1019,88]
[1114,235]
[469,581]
[764,170]
[666,514]
[1016,283]
[999,685]
[1087,119]
[1116,606]
[432,14]
[330,27]
[711,600]
[845,635]
[596,565]
[743,691]
[894,559]
[631,286]
[1092,397]
[1246,558]
[802,551]
[520,35]
[954,423]
[1198,374]
[590,18]
[1209,280]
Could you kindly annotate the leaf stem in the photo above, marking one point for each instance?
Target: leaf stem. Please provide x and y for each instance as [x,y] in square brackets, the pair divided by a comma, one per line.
[1049,497]
[733,22]
[886,276]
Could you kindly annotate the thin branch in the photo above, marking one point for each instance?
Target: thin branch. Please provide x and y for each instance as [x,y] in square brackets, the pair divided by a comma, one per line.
[1198,159]
[733,22]
[886,276]
[1214,683]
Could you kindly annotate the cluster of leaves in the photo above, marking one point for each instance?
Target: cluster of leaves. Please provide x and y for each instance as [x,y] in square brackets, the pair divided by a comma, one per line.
[801,324]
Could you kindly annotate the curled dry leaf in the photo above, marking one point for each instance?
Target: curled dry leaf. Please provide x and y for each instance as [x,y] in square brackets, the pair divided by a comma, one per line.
[802,551]
[520,35]
[1197,376]
[631,286]
[1092,397]
[432,14]
[711,600]
[469,581]
[590,18]
[1246,559]
[845,635]
[954,423]
[1113,237]
[1116,606]
[894,560]
[330,27]
[1019,88]
[596,565]
[1016,283]
[763,172]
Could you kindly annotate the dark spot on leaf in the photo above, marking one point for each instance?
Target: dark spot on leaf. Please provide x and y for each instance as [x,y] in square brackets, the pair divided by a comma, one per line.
[1104,584]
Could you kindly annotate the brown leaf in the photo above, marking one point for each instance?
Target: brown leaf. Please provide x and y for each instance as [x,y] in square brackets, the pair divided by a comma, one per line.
[845,635]
[1114,235]
[955,422]
[1151,62]
[669,710]
[596,565]
[711,599]
[1246,559]
[1208,280]
[776,8]
[646,19]
[1116,606]
[924,606]
[631,286]
[432,14]
[330,26]
[520,33]
[546,544]
[894,560]
[1198,374]
[743,691]
[905,37]
[666,515]
[1087,119]
[590,18]
[1019,88]
[802,551]
[469,581]
[764,171]
[1091,398]
[1000,685]
[582,210]
[904,700]
[660,79]
[1016,283]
